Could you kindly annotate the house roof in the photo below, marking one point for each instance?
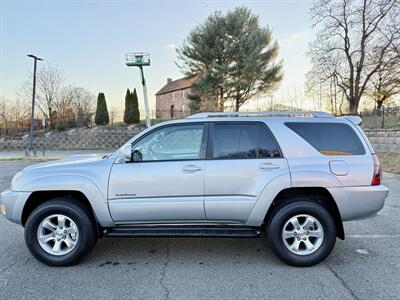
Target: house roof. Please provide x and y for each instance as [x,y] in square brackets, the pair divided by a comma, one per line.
[177,85]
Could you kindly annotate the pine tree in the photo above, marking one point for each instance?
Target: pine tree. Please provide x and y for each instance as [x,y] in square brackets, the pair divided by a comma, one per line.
[135,109]
[102,117]
[234,57]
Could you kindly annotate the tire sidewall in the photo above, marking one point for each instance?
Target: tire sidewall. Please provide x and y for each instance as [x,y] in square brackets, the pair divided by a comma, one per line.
[274,232]
[86,238]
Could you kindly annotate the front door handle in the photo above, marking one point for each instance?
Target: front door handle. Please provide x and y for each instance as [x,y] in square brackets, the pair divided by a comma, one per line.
[191,169]
[268,166]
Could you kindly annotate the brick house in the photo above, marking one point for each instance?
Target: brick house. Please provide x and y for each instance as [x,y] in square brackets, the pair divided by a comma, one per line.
[172,100]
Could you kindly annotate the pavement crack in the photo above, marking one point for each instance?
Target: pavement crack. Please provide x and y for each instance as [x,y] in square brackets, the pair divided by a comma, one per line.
[13,264]
[321,286]
[164,271]
[343,282]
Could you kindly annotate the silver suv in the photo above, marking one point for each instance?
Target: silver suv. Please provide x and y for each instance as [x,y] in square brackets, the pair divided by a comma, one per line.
[293,176]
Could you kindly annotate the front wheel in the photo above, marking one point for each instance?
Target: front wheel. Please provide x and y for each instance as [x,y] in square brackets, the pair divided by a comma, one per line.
[301,233]
[60,232]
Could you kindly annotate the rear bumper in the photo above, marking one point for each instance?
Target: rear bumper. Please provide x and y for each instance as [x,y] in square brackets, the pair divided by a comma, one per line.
[12,204]
[359,202]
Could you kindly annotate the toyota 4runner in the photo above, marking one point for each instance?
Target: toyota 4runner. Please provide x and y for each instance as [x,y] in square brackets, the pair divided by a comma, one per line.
[294,176]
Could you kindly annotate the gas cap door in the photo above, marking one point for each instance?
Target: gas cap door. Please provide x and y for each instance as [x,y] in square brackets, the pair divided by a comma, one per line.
[338,167]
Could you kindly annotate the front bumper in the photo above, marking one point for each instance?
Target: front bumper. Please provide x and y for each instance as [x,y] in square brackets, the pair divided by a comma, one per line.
[12,204]
[359,202]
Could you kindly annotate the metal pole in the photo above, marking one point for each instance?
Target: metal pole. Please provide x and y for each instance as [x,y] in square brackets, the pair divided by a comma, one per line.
[30,148]
[146,104]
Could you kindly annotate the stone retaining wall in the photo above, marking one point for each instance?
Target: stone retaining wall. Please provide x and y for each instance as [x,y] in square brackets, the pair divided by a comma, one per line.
[385,140]
[104,137]
[100,137]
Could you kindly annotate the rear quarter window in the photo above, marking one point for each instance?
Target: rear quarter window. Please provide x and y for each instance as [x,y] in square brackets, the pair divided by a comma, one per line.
[329,138]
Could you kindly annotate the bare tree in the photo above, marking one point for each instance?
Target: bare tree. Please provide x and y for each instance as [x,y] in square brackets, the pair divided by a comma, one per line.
[77,100]
[324,92]
[18,112]
[385,83]
[13,115]
[352,40]
[50,81]
[49,84]
[3,117]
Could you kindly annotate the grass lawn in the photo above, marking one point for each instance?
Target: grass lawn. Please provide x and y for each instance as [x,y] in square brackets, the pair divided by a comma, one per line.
[390,162]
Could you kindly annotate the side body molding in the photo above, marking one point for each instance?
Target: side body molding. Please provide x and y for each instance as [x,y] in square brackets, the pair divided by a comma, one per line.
[74,182]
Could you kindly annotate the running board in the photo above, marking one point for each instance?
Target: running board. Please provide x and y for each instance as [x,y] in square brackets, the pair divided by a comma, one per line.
[181,231]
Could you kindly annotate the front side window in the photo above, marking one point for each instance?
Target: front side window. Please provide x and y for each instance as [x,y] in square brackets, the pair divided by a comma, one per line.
[184,142]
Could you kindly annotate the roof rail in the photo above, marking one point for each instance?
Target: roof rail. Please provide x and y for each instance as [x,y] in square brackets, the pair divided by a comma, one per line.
[315,114]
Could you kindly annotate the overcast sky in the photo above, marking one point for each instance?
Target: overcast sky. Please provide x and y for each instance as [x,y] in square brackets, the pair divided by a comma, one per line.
[87,40]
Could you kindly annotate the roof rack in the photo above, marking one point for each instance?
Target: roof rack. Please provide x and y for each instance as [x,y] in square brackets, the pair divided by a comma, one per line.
[315,114]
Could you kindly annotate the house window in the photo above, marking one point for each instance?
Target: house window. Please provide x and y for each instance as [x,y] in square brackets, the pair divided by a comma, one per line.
[172,111]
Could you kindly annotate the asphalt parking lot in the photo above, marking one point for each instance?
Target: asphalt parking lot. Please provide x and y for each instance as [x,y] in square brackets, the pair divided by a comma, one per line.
[365,265]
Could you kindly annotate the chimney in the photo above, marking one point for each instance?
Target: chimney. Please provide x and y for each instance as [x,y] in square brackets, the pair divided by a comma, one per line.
[169,80]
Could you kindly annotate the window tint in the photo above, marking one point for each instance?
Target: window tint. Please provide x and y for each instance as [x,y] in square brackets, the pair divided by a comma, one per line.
[267,147]
[235,141]
[329,138]
[171,143]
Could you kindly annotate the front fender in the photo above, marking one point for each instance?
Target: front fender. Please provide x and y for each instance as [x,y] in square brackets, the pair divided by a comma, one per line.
[97,198]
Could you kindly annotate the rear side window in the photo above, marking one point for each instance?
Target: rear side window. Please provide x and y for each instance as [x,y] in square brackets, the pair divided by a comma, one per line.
[329,138]
[267,146]
[235,141]
[243,141]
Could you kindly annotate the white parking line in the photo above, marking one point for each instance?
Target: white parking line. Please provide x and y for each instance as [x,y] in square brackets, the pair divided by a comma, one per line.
[372,236]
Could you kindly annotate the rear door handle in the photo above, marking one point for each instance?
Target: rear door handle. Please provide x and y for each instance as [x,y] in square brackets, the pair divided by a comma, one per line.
[191,169]
[268,166]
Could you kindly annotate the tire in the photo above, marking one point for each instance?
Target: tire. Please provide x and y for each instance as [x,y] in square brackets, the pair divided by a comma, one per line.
[73,244]
[301,254]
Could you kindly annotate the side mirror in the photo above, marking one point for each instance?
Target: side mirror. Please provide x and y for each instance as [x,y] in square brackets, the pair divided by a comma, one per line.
[126,151]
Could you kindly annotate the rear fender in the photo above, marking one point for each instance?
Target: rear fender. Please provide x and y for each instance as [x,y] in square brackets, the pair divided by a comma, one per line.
[267,196]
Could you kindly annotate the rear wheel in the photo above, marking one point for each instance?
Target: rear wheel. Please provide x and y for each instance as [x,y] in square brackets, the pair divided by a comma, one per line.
[301,233]
[60,232]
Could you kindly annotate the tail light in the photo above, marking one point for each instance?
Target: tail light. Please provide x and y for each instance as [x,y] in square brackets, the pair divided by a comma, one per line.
[376,179]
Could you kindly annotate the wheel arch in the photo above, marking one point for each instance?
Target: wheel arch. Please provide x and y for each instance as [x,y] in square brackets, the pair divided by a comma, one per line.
[74,186]
[316,194]
[39,197]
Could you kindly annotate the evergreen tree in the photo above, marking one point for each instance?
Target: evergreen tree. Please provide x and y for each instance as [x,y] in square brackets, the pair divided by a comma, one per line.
[135,109]
[102,117]
[128,115]
[234,57]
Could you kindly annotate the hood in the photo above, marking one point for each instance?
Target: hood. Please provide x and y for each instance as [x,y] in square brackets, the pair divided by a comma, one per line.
[90,166]
[72,160]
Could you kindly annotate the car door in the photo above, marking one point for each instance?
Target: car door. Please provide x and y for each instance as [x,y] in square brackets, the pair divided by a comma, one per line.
[244,158]
[164,181]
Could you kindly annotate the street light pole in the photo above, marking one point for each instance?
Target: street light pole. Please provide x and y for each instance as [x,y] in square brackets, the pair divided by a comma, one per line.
[30,147]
